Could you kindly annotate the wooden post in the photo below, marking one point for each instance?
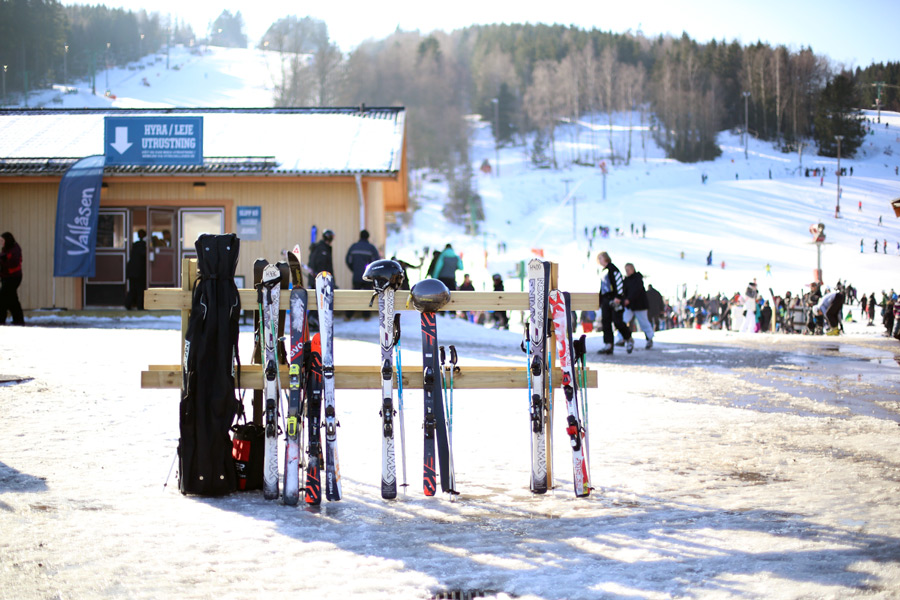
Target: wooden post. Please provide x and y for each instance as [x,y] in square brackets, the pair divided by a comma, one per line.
[554,284]
[188,275]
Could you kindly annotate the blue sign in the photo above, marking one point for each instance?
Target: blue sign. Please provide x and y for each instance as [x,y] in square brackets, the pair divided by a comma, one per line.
[77,212]
[249,223]
[153,140]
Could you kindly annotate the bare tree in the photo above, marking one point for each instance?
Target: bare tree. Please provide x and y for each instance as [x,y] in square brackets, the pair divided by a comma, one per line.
[542,103]
[780,102]
[567,76]
[607,74]
[587,65]
[632,81]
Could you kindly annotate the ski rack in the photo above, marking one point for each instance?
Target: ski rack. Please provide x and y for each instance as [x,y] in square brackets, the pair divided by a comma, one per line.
[357,377]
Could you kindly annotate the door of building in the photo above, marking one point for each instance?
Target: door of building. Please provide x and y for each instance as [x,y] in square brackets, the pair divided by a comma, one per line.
[107,286]
[162,247]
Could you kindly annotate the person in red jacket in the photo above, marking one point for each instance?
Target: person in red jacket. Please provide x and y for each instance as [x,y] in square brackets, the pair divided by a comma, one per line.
[10,279]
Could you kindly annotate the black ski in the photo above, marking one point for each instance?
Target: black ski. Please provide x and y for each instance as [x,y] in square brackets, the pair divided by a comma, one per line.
[429,296]
[259,266]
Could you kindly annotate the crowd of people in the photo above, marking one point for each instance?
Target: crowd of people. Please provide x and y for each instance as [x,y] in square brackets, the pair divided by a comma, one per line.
[818,311]
[625,303]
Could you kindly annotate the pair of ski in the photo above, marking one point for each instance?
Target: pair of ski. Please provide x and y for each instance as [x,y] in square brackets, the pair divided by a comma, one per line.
[311,373]
[558,305]
[435,425]
[387,276]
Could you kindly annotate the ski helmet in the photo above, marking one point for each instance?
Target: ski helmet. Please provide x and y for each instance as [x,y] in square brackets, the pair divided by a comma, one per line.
[430,295]
[384,273]
[328,235]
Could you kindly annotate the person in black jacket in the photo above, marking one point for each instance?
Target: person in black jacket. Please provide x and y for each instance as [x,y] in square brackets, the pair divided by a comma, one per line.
[358,258]
[136,271]
[320,257]
[501,318]
[637,303]
[655,307]
[360,254]
[612,296]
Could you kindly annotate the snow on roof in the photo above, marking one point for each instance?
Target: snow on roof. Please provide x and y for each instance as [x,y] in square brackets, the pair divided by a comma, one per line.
[293,140]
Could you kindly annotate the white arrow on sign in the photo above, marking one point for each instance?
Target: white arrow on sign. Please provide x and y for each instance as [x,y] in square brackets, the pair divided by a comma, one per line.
[121,144]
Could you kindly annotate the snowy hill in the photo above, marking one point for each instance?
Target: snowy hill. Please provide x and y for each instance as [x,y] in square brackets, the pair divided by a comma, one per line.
[750,212]
[196,77]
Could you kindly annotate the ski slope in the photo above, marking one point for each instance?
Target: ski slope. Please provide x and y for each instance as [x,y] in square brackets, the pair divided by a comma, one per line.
[746,218]
[205,76]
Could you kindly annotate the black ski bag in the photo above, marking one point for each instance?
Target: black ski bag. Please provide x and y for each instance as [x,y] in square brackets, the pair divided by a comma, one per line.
[208,400]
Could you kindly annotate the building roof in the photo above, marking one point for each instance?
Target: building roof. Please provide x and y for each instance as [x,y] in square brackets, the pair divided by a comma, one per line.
[274,141]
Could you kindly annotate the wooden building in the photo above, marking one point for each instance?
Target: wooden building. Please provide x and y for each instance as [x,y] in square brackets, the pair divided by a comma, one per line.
[342,169]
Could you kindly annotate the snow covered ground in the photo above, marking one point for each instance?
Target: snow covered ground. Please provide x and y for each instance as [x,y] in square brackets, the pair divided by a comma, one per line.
[726,465]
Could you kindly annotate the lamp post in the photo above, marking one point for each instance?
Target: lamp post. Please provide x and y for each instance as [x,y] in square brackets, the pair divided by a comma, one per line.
[66,65]
[141,47]
[746,122]
[496,103]
[107,67]
[4,83]
[837,206]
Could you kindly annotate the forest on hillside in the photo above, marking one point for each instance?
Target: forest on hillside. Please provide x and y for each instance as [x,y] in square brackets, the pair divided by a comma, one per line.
[43,42]
[528,79]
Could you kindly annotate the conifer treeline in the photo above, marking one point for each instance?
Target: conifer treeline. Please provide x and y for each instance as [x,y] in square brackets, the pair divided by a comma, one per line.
[34,35]
[530,78]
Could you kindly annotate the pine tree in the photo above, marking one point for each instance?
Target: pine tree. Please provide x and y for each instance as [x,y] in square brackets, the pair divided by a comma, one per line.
[838,114]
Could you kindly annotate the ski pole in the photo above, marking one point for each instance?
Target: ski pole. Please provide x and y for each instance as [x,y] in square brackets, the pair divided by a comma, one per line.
[581,364]
[453,369]
[400,398]
[170,470]
[443,361]
[448,405]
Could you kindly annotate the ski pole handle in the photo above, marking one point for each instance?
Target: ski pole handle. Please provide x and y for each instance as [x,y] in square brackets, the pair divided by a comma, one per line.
[443,355]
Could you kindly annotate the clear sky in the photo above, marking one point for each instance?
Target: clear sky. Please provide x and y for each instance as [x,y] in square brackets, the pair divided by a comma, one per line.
[852,33]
